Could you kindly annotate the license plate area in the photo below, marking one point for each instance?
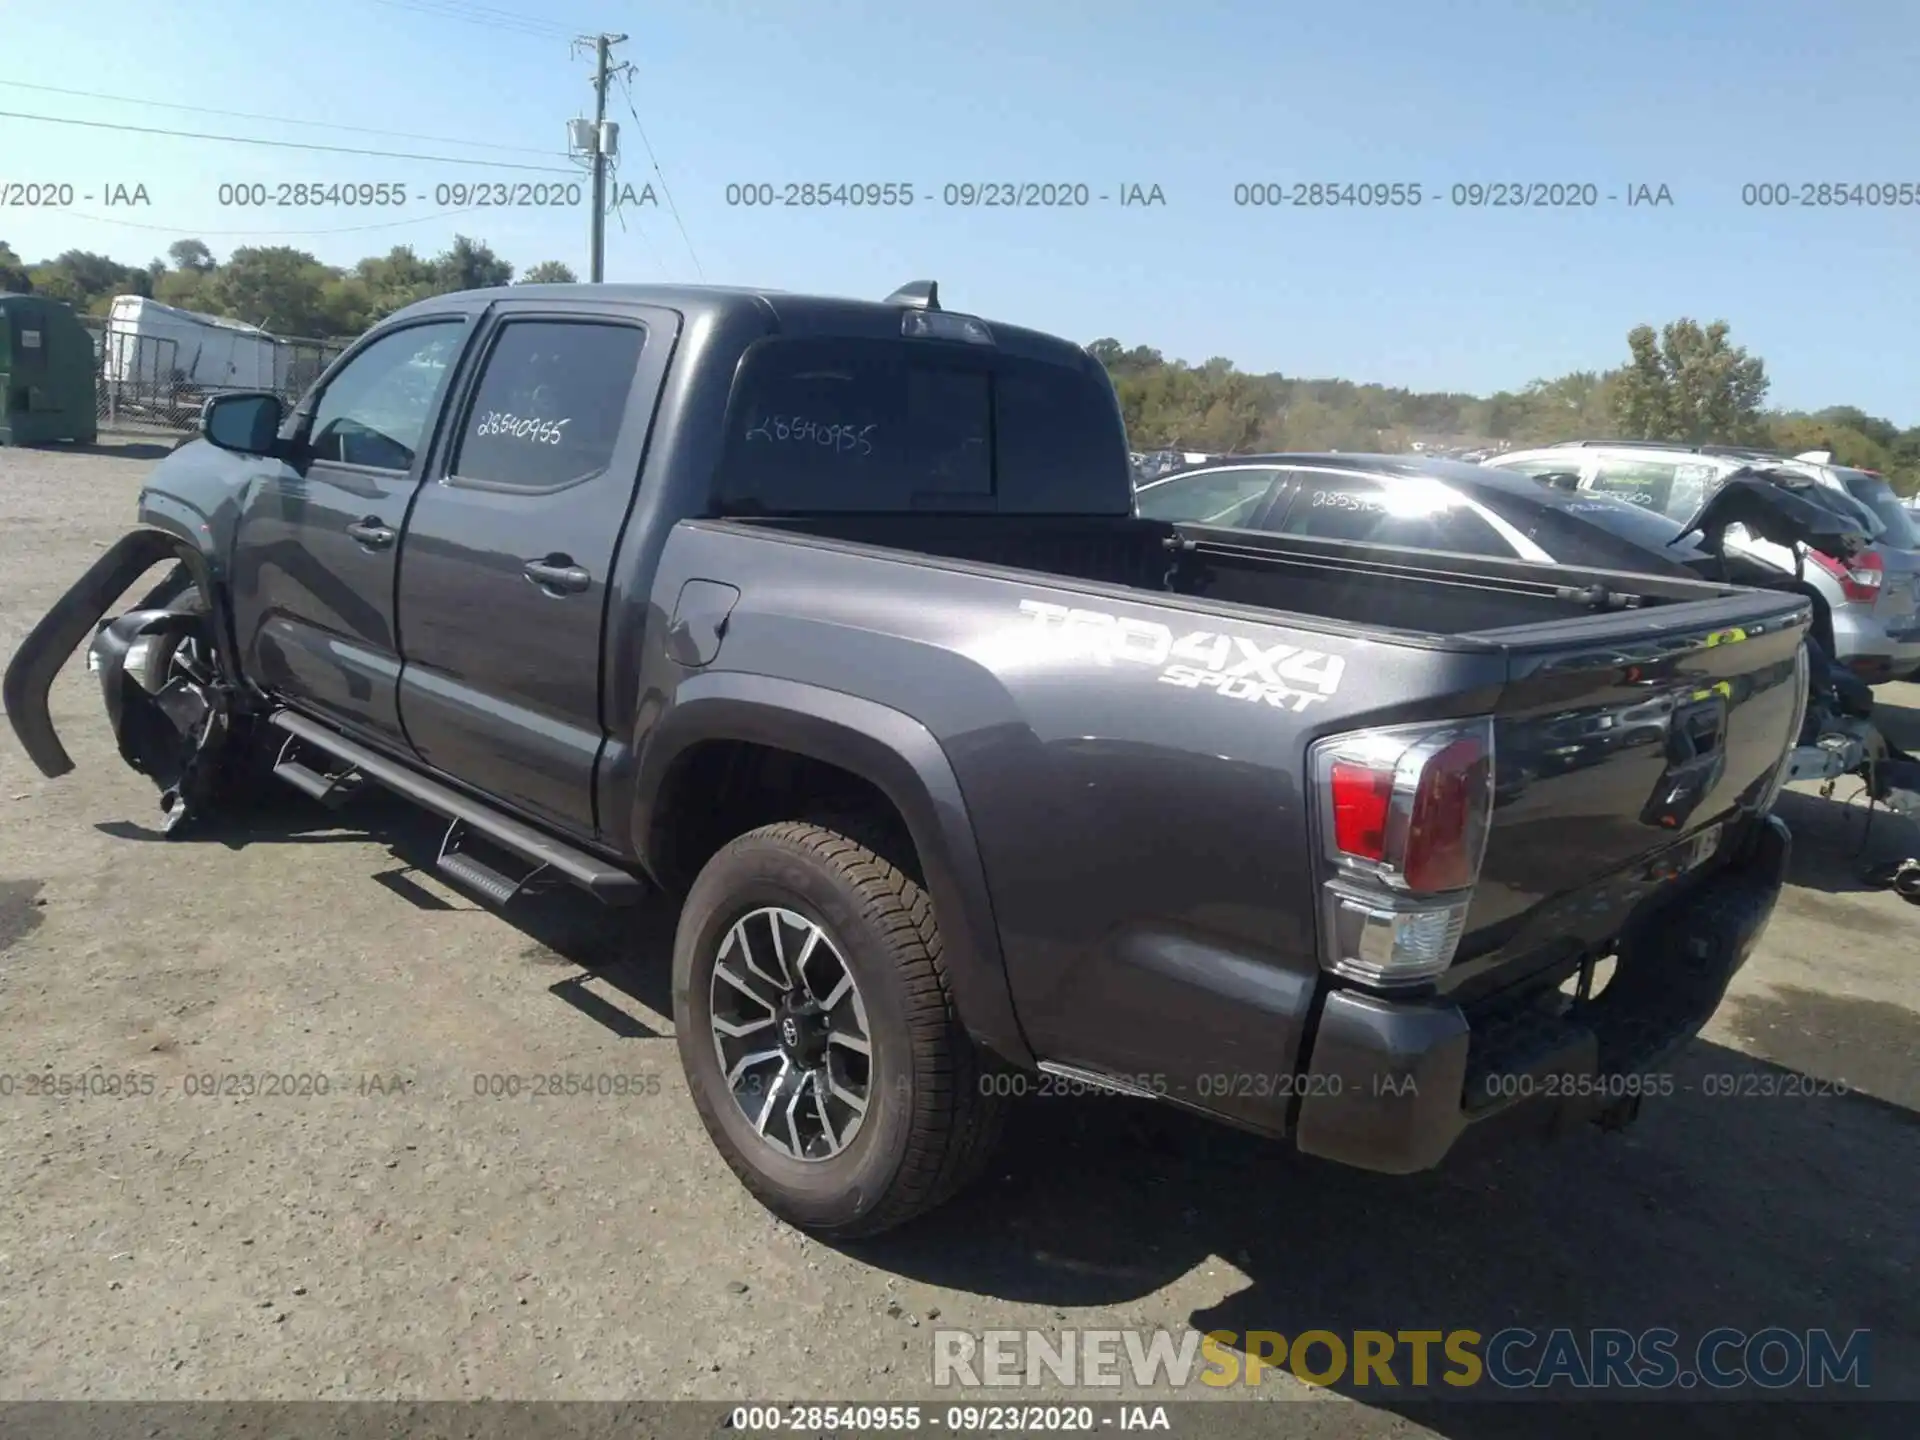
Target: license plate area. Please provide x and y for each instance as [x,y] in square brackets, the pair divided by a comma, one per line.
[1702,847]
[1690,854]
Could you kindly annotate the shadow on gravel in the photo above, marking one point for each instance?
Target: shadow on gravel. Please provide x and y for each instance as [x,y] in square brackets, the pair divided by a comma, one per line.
[125,449]
[630,950]
[1763,1192]
[1756,1195]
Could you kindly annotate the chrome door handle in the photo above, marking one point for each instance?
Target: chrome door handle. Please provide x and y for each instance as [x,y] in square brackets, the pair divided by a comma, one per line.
[558,572]
[371,532]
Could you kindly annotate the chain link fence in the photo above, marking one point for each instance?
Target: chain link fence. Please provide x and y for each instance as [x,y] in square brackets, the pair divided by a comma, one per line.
[143,383]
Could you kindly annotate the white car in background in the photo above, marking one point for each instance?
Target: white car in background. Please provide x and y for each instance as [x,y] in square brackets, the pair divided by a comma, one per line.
[1874,602]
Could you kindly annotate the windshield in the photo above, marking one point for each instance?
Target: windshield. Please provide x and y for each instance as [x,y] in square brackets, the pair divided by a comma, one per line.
[1877,495]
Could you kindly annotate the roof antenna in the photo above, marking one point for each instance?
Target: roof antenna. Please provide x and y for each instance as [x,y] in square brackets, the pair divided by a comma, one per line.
[920,294]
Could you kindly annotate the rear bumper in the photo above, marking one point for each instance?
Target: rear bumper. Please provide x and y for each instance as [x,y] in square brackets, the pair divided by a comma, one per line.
[1393,1086]
[1876,653]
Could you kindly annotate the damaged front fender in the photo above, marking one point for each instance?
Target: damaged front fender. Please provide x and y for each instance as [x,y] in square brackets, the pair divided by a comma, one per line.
[75,617]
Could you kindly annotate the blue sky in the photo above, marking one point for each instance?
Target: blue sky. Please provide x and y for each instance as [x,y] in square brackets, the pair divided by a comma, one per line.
[1702,96]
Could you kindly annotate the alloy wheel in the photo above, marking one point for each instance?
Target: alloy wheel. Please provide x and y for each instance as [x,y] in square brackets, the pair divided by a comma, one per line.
[790,1029]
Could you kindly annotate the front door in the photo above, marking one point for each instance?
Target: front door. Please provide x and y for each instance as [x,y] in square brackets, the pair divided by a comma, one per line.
[319,534]
[505,568]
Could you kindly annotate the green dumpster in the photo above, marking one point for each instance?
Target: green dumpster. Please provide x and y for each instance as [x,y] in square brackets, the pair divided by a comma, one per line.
[46,373]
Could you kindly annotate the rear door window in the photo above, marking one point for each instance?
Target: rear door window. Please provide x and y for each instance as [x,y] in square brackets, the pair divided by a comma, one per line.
[1406,513]
[549,405]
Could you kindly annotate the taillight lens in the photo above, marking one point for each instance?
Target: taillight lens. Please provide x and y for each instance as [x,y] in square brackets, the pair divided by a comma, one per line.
[1404,817]
[1860,582]
[1449,825]
[1362,802]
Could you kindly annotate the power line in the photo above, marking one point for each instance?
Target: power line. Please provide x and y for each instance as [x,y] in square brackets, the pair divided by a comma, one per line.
[282,144]
[620,214]
[626,90]
[480,15]
[273,119]
[291,234]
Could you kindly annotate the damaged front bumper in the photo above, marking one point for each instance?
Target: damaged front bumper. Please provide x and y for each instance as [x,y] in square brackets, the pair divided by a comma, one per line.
[74,617]
[168,726]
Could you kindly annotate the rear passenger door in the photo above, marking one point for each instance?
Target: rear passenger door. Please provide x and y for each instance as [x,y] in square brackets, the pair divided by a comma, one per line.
[505,565]
[1398,511]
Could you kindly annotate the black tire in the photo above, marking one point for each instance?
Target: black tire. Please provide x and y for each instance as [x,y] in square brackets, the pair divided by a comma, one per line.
[931,1122]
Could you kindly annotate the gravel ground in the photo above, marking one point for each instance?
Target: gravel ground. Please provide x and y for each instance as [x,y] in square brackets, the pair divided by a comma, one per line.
[403,1237]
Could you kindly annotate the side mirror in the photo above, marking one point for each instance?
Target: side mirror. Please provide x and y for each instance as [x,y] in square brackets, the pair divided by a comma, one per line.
[247,423]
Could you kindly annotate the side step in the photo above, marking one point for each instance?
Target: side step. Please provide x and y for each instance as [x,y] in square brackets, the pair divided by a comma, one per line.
[601,879]
[332,791]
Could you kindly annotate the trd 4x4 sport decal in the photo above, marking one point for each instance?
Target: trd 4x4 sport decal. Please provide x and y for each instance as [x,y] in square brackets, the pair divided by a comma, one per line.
[1285,676]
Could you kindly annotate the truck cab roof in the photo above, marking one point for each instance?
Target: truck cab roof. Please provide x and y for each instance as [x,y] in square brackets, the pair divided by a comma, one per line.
[783,311]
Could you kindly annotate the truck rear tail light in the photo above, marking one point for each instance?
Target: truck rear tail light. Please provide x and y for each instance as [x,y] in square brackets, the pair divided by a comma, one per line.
[1860,581]
[1362,802]
[1404,814]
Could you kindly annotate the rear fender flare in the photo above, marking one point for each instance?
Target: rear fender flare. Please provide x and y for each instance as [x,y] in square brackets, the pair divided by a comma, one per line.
[895,753]
[74,617]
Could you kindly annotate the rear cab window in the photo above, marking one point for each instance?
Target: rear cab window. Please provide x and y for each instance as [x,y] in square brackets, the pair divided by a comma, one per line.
[874,425]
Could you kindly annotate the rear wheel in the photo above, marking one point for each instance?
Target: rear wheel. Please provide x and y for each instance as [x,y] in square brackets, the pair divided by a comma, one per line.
[818,1034]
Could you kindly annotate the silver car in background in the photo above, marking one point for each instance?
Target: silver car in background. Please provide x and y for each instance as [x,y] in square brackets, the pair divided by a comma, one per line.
[1874,601]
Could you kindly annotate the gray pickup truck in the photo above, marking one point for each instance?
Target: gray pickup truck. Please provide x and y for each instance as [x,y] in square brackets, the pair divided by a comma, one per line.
[835,619]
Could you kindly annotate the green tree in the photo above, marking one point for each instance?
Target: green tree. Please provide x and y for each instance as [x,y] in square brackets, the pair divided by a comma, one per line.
[13,272]
[1689,385]
[275,287]
[190,255]
[470,265]
[396,280]
[189,289]
[550,272]
[82,278]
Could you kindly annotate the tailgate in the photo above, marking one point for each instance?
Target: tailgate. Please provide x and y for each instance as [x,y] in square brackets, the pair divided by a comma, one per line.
[1623,744]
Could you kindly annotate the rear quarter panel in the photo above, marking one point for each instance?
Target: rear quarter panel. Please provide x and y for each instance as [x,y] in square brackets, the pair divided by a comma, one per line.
[1143,834]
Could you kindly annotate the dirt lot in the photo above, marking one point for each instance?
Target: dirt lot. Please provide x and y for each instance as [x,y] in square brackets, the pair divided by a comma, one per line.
[403,1236]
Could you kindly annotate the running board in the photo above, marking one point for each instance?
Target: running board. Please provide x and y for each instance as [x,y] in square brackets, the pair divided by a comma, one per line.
[601,879]
[1097,1080]
[332,791]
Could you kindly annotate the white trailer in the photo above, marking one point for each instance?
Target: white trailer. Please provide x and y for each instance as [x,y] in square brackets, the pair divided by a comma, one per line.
[150,347]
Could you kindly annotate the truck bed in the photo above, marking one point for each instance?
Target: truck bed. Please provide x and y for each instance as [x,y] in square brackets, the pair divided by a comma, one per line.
[1311,580]
[1588,674]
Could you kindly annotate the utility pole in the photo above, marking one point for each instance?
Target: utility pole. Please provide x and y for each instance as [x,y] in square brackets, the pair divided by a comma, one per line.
[596,152]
